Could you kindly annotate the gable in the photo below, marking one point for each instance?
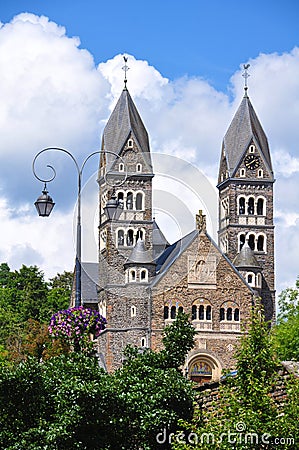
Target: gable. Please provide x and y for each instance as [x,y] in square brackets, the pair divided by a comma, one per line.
[196,262]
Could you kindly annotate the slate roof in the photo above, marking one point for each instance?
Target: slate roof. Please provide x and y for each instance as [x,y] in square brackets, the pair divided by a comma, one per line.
[124,120]
[140,255]
[244,128]
[171,253]
[89,282]
[246,258]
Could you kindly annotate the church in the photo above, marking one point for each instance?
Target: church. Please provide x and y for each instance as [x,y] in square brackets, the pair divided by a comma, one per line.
[144,281]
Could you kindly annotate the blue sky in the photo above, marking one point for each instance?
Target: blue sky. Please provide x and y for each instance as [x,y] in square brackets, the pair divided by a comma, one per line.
[61,73]
[204,38]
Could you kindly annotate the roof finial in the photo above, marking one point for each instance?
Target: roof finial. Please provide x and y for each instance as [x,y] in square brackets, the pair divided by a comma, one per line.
[125,68]
[246,75]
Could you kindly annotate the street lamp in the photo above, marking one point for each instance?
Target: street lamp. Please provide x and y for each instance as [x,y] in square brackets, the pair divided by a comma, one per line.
[44,204]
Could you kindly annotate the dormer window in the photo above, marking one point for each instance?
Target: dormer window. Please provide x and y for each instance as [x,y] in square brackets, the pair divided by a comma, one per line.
[130,143]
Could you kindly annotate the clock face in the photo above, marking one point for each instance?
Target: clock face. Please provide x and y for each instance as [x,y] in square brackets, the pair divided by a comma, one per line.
[252,162]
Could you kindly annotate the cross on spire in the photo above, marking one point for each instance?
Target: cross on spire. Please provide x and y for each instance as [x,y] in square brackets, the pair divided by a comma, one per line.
[246,75]
[125,68]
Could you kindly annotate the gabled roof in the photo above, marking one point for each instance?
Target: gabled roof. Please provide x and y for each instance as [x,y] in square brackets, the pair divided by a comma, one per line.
[174,251]
[123,121]
[244,128]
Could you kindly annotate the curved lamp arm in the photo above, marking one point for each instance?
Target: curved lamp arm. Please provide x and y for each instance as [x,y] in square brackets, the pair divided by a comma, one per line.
[45,204]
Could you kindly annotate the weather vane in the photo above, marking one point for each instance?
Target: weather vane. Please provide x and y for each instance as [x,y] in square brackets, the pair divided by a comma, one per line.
[125,68]
[246,75]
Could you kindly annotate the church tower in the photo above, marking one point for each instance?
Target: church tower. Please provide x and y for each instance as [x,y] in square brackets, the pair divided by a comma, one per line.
[245,185]
[126,264]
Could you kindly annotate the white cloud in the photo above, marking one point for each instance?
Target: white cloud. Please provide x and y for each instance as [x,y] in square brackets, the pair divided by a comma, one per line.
[52,94]
[285,164]
[28,239]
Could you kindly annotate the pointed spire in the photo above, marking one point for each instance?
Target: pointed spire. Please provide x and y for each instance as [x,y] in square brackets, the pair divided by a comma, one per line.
[123,122]
[244,128]
[140,255]
[246,258]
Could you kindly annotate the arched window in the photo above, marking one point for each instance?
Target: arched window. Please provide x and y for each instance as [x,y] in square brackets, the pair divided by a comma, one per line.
[251,241]
[260,207]
[201,315]
[180,309]
[143,275]
[241,205]
[260,173]
[173,312]
[194,311]
[129,202]
[208,312]
[143,342]
[260,243]
[120,237]
[130,143]
[121,167]
[249,278]
[139,235]
[201,310]
[242,172]
[166,312]
[130,238]
[139,198]
[222,316]
[120,197]
[138,168]
[229,312]
[242,240]
[132,276]
[250,208]
[258,280]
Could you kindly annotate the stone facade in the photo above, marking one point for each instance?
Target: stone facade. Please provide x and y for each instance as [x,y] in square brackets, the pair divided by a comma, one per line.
[143,287]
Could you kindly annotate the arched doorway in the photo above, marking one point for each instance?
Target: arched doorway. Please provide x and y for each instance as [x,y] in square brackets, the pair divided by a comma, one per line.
[203,368]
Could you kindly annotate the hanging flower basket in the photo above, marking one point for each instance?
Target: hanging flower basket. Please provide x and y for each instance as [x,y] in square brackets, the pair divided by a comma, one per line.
[75,325]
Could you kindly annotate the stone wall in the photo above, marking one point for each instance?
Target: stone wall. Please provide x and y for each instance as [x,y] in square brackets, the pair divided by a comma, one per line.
[208,394]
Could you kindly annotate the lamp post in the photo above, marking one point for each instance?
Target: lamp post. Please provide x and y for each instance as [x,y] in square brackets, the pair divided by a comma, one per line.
[44,204]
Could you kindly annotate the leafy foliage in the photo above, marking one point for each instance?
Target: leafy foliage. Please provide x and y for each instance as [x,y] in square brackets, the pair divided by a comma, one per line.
[286,332]
[69,402]
[27,302]
[244,411]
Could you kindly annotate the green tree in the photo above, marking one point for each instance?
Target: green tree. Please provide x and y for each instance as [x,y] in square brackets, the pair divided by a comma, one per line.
[69,402]
[27,303]
[244,405]
[286,332]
